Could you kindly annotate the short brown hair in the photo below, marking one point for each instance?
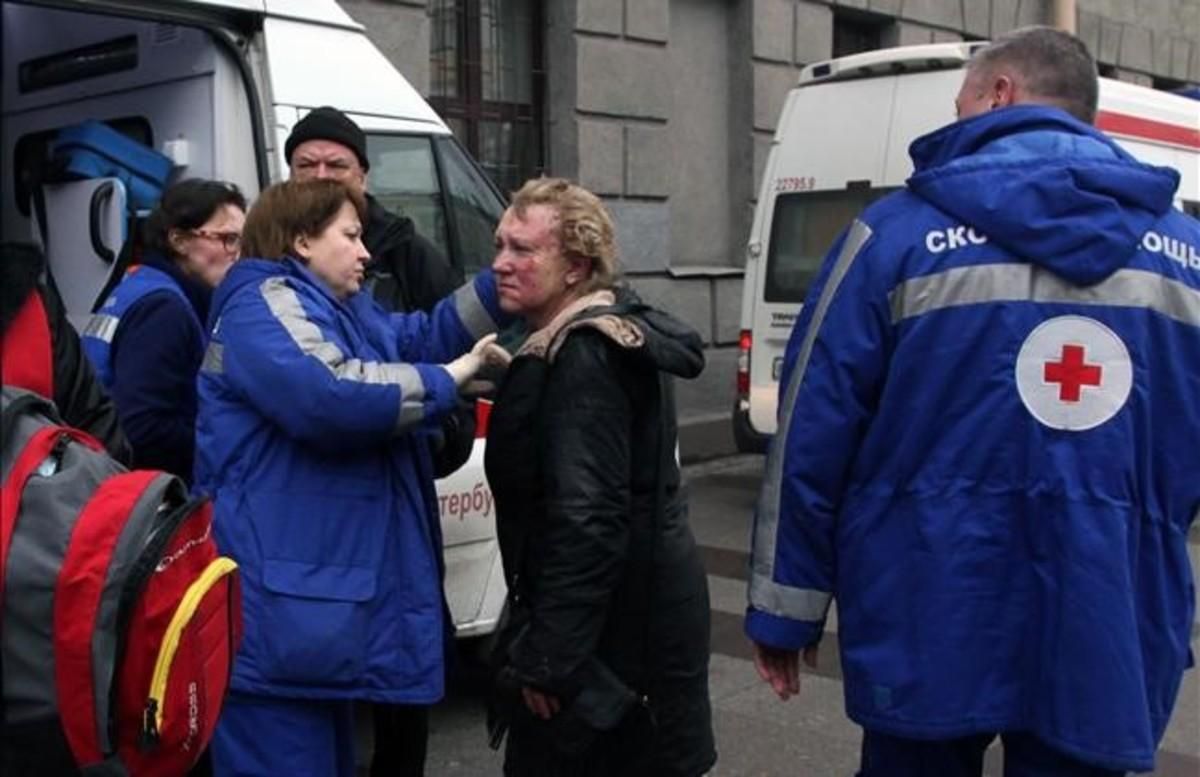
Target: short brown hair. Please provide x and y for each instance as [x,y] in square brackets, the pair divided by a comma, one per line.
[293,209]
[584,227]
[1055,67]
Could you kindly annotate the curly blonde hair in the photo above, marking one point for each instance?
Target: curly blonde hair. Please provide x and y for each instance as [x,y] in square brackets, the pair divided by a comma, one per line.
[584,227]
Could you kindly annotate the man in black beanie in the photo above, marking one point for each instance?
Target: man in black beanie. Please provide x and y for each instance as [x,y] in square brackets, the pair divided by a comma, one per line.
[406,273]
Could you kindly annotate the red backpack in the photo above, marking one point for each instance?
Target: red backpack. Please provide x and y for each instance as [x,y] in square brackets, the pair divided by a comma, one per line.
[119,621]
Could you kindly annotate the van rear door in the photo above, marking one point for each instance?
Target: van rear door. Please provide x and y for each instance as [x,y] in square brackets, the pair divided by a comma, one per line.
[830,150]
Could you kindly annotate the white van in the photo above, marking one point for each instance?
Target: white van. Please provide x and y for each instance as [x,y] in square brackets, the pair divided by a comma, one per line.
[842,142]
[217,85]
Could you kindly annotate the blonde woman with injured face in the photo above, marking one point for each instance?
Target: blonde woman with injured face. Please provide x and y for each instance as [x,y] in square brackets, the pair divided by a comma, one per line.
[315,407]
[602,666]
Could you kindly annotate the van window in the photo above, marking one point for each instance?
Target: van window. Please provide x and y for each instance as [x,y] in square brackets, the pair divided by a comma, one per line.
[403,177]
[475,206]
[434,183]
[1191,208]
[803,227]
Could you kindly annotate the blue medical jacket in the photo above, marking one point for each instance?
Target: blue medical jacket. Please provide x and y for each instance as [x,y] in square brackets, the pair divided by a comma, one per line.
[989,409]
[311,442]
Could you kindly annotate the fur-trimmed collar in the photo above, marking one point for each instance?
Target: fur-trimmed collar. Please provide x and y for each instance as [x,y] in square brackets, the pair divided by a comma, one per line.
[546,342]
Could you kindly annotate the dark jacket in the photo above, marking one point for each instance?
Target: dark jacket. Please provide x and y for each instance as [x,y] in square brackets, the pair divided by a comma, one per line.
[156,355]
[592,522]
[77,391]
[408,273]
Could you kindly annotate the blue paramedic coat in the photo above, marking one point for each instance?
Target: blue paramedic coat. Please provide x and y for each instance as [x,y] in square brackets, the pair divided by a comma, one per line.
[988,414]
[142,281]
[147,342]
[309,440]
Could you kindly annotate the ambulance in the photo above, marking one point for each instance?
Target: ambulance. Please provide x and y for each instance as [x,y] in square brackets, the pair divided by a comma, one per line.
[842,142]
[217,85]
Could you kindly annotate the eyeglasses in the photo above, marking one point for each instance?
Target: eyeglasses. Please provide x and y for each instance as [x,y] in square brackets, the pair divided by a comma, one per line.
[230,240]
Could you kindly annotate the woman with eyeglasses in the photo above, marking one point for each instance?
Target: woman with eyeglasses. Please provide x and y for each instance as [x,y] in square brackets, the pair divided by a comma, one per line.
[148,340]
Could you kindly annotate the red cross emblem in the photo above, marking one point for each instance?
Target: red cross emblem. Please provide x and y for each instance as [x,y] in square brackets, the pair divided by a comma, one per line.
[1072,373]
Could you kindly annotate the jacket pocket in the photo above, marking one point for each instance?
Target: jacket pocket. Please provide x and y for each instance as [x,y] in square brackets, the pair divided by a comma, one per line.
[315,622]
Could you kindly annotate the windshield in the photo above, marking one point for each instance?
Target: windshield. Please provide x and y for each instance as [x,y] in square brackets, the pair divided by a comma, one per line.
[475,207]
[404,180]
[803,228]
[433,182]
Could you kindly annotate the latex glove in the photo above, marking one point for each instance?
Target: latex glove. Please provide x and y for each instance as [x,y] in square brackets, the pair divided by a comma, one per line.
[486,351]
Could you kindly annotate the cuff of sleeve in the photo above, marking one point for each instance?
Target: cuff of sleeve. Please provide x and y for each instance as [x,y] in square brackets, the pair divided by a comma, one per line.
[780,632]
[441,395]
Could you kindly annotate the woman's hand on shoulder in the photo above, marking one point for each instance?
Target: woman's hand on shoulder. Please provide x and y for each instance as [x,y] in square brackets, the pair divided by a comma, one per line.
[485,352]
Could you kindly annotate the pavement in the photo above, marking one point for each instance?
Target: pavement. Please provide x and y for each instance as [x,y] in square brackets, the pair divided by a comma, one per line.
[758,735]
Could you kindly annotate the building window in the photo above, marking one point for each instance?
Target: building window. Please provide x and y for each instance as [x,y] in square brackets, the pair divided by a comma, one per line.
[487,82]
[856,32]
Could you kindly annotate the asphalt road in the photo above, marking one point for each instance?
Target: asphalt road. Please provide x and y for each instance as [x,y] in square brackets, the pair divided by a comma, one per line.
[757,735]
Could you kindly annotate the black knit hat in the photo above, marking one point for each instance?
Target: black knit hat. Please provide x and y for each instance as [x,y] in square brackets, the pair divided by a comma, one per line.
[327,123]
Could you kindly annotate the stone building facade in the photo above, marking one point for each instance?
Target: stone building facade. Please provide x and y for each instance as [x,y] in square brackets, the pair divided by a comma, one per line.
[667,107]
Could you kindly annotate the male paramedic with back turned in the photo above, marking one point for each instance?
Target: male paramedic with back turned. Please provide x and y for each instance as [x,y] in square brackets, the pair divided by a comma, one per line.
[988,416]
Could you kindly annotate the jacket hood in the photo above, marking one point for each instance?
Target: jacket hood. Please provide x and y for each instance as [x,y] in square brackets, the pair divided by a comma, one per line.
[671,345]
[1044,186]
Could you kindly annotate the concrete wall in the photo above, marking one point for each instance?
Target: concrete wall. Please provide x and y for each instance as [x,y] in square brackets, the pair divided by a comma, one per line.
[694,171]
[623,107]
[666,108]
[401,30]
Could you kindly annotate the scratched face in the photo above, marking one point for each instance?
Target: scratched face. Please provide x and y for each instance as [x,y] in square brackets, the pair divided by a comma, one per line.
[531,271]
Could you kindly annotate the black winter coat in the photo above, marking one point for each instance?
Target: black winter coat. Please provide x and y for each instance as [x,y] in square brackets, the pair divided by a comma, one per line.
[77,392]
[598,554]
[408,273]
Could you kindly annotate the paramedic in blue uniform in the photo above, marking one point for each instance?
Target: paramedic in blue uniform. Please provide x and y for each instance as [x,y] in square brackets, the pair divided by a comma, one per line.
[405,273]
[988,414]
[313,404]
[148,339]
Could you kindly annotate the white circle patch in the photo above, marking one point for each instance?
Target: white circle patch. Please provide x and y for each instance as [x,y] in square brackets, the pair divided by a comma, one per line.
[1073,373]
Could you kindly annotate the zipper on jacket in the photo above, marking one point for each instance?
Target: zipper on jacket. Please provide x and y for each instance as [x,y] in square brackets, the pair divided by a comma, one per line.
[152,715]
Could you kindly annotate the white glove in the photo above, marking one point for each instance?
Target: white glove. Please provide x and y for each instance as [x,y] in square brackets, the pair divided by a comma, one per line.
[486,351]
